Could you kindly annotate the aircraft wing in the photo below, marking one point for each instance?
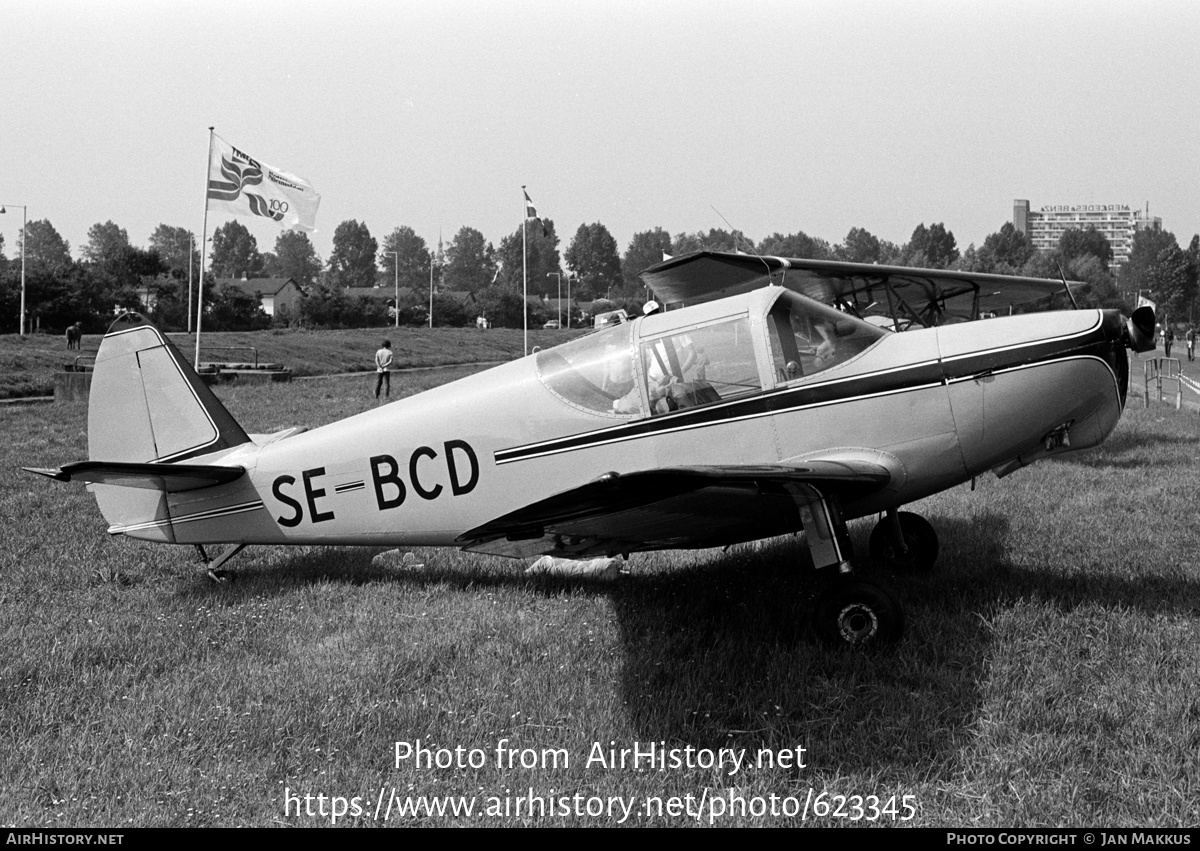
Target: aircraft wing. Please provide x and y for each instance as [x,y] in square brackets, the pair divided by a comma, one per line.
[674,508]
[926,296]
[168,478]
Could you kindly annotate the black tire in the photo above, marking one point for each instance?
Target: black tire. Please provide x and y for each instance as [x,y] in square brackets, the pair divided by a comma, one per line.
[858,614]
[920,538]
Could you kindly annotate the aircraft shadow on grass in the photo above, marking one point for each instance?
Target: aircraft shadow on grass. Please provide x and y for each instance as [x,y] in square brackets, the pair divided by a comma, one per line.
[730,663]
[721,653]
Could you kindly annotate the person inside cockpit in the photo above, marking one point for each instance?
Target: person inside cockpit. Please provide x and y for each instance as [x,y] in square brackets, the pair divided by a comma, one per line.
[619,382]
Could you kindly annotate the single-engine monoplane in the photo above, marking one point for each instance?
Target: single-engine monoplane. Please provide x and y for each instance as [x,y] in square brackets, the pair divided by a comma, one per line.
[757,414]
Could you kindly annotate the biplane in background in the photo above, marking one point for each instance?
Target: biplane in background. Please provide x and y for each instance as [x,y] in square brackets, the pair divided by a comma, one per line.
[893,297]
[756,414]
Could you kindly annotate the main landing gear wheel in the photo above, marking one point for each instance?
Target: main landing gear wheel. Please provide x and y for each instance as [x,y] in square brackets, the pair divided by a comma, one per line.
[919,550]
[859,614]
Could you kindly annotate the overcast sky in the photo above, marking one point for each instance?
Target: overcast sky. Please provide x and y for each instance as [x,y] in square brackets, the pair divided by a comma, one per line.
[783,116]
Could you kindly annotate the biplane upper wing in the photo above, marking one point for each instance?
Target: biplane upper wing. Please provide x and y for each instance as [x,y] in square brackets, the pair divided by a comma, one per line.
[674,508]
[907,294]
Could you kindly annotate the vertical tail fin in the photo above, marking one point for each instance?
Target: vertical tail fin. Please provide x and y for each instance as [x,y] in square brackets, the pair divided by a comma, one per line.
[148,404]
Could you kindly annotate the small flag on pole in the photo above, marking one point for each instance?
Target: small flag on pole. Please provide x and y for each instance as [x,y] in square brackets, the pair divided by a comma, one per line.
[531,213]
[244,186]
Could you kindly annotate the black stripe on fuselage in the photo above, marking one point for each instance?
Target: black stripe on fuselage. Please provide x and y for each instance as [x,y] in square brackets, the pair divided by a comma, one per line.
[901,379]
[973,364]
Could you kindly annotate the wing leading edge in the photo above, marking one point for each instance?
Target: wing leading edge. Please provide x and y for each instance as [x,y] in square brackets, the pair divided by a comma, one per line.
[674,508]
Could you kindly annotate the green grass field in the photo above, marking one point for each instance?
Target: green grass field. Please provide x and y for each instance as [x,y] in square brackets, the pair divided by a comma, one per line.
[1048,675]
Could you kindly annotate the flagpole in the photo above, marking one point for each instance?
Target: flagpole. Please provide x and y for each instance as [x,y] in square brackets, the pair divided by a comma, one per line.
[524,270]
[203,243]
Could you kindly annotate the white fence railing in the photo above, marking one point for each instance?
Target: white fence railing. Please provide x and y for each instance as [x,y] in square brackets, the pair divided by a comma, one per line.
[1168,381]
[1162,371]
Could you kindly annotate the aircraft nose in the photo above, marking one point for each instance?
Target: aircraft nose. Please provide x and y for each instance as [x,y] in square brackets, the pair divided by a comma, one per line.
[1019,382]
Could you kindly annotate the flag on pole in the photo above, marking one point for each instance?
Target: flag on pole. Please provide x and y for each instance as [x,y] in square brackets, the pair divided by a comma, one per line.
[531,213]
[1142,301]
[244,186]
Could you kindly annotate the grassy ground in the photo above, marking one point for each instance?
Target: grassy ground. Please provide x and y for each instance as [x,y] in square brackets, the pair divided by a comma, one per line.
[27,365]
[1047,676]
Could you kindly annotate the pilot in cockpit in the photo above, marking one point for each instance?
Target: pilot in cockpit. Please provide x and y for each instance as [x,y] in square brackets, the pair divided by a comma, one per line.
[826,352]
[619,382]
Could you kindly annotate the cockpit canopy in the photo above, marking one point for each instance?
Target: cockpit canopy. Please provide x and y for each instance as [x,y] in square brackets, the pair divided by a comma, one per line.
[734,347]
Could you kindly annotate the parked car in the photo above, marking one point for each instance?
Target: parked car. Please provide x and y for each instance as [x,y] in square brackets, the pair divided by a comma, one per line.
[553,323]
[611,317]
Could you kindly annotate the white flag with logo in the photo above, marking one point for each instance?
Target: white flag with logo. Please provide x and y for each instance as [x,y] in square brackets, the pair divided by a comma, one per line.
[244,186]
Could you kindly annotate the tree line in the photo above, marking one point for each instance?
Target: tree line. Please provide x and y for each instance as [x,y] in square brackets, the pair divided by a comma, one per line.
[471,276]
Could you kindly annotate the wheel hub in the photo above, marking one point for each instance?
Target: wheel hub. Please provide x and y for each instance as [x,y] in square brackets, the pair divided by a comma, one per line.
[858,623]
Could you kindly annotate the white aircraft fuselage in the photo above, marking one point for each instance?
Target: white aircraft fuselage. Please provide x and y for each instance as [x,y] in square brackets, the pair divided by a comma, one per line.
[935,407]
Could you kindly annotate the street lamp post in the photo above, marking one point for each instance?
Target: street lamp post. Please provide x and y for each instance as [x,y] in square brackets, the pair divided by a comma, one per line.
[569,300]
[396,269]
[558,277]
[24,218]
[191,255]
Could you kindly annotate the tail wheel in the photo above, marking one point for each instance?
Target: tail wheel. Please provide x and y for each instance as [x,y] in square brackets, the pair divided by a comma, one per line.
[920,549]
[856,613]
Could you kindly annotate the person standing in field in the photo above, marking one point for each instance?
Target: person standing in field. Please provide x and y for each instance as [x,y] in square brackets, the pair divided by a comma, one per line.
[1168,339]
[1190,339]
[383,369]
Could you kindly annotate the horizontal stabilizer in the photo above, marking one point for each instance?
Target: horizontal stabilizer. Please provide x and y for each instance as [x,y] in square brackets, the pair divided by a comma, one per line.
[166,478]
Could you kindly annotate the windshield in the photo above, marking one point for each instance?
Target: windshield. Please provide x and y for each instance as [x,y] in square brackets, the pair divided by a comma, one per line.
[595,372]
